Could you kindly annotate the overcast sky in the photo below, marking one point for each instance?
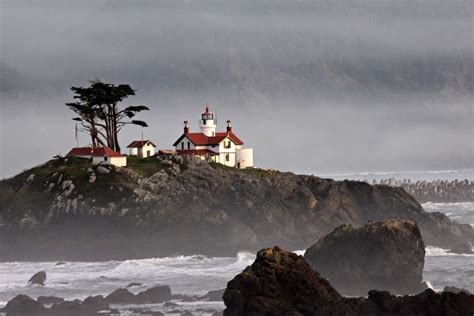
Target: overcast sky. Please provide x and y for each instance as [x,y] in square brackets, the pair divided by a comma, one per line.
[313,86]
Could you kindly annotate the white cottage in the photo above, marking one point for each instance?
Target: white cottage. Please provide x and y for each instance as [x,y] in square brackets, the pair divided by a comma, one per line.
[222,147]
[142,148]
[98,155]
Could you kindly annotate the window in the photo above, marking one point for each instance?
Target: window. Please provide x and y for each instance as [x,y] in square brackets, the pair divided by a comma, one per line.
[227,144]
[106,158]
[182,145]
[189,145]
[227,157]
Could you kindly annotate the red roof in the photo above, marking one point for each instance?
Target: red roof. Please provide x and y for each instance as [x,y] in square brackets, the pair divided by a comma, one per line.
[93,151]
[196,152]
[200,139]
[139,143]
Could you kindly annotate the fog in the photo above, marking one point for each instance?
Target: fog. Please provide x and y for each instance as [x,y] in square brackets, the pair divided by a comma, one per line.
[314,87]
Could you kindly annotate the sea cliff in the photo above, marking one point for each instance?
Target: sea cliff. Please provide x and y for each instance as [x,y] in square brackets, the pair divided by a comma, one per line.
[67,209]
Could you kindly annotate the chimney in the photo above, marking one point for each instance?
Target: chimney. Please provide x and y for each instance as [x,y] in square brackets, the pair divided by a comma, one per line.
[229,126]
[186,127]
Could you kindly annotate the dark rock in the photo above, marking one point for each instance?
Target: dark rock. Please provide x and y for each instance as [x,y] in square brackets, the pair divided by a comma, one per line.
[95,303]
[186,313]
[120,296]
[266,206]
[90,306]
[60,263]
[455,290]
[218,313]
[170,304]
[380,255]
[38,278]
[277,282]
[463,247]
[23,305]
[46,300]
[215,295]
[156,294]
[133,284]
[282,283]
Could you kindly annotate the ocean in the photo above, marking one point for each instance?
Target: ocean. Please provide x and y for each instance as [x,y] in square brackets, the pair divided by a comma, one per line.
[197,274]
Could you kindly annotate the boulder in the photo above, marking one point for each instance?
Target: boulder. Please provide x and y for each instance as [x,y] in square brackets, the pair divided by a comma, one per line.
[46,300]
[90,306]
[278,282]
[156,294]
[463,247]
[215,296]
[120,296]
[455,290]
[385,255]
[283,283]
[24,305]
[102,169]
[60,263]
[38,278]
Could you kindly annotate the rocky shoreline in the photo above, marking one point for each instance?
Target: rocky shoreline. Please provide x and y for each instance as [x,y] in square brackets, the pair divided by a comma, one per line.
[66,209]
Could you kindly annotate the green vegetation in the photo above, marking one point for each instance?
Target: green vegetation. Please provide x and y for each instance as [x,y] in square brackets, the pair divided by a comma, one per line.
[254,172]
[145,166]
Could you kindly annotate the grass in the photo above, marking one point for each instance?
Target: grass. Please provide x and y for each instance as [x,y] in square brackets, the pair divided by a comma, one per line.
[145,166]
[254,172]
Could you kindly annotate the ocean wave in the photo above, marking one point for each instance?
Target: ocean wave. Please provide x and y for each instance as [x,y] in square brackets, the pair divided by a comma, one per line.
[432,251]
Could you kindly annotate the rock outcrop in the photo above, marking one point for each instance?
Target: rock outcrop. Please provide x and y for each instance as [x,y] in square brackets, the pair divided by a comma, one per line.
[156,294]
[462,247]
[23,305]
[283,283]
[161,206]
[38,278]
[387,255]
[277,282]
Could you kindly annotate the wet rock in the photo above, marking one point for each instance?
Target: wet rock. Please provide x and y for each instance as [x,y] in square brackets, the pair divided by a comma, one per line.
[455,290]
[170,304]
[120,296]
[385,255]
[60,263]
[46,300]
[282,283]
[276,283]
[156,294]
[23,305]
[38,278]
[215,296]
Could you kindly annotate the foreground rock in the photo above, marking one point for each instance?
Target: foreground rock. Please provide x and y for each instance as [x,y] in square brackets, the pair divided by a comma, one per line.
[38,278]
[283,283]
[23,305]
[156,294]
[387,255]
[277,282]
[147,209]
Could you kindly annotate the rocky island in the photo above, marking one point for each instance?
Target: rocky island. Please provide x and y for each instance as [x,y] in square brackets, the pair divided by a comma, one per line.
[67,209]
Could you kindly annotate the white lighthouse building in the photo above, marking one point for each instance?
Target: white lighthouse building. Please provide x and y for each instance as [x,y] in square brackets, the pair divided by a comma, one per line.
[222,147]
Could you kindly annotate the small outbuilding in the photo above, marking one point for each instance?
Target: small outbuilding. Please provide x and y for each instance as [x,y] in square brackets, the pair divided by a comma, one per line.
[96,155]
[142,148]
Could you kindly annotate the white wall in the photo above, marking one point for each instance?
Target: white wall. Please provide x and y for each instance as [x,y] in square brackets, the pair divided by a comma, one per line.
[185,141]
[118,161]
[133,151]
[142,152]
[245,157]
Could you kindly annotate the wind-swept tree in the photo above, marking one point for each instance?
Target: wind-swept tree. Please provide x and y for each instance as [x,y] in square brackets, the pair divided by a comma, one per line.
[99,113]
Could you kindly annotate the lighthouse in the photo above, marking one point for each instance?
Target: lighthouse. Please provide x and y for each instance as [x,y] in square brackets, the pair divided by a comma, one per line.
[221,147]
[208,123]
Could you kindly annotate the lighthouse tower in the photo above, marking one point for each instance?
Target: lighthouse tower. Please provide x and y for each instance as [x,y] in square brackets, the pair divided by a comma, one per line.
[208,123]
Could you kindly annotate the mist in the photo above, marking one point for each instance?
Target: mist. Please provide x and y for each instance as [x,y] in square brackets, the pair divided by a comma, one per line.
[314,87]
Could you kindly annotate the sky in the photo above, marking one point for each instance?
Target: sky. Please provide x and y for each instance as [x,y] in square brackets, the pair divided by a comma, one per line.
[315,87]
